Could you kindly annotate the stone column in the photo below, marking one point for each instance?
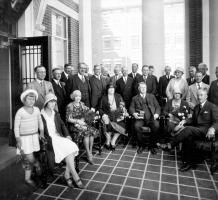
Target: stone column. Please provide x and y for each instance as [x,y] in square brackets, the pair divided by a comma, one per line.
[85,32]
[153,34]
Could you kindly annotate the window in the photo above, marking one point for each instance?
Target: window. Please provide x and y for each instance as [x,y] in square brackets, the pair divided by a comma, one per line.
[59,40]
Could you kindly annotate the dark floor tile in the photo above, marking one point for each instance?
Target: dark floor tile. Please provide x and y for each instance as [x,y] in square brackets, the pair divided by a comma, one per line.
[117,151]
[169,178]
[61,181]
[169,157]
[187,190]
[54,190]
[114,157]
[98,160]
[102,156]
[205,184]
[112,189]
[167,163]
[87,195]
[186,181]
[127,158]
[110,162]
[202,167]
[101,177]
[95,186]
[188,173]
[33,197]
[93,168]
[156,156]
[215,176]
[130,192]
[120,171]
[125,198]
[152,176]
[203,175]
[124,164]
[86,174]
[166,187]
[138,166]
[71,193]
[136,173]
[46,198]
[208,194]
[140,160]
[187,198]
[154,162]
[117,179]
[106,169]
[166,196]
[153,168]
[82,164]
[149,195]
[133,182]
[151,185]
[129,153]
[107,197]
[169,170]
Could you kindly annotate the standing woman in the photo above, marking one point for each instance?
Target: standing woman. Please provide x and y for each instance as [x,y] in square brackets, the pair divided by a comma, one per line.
[59,140]
[28,127]
[177,82]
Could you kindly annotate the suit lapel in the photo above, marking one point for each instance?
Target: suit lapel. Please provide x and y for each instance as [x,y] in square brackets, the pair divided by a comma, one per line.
[39,89]
[195,91]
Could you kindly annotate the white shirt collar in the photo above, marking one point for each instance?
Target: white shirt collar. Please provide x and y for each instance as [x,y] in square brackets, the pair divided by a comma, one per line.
[39,81]
[80,76]
[56,81]
[199,84]
[143,95]
[202,104]
[66,74]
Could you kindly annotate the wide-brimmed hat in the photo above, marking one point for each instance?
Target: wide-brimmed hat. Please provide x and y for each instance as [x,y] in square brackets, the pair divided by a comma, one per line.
[180,69]
[26,92]
[49,97]
[111,85]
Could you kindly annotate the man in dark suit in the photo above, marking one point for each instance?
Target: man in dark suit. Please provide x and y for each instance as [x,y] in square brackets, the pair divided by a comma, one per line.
[202,125]
[65,74]
[145,110]
[117,75]
[151,73]
[145,77]
[60,92]
[87,74]
[125,87]
[203,68]
[213,91]
[81,83]
[191,79]
[134,73]
[98,87]
[163,82]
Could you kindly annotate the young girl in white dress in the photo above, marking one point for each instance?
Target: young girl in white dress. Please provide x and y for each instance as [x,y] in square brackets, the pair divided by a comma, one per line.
[58,136]
[28,127]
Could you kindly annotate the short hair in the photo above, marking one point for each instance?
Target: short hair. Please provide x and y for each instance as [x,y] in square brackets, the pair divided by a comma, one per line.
[199,72]
[203,64]
[151,67]
[145,66]
[204,89]
[56,68]
[96,65]
[135,64]
[82,63]
[74,94]
[67,64]
[37,67]
[141,83]
[192,67]
[167,66]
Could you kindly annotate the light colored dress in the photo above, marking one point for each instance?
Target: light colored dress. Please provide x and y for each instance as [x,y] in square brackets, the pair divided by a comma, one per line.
[62,146]
[26,127]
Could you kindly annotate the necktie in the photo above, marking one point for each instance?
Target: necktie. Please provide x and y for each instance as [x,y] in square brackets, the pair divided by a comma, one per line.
[41,84]
[145,77]
[83,79]
[199,87]
[133,75]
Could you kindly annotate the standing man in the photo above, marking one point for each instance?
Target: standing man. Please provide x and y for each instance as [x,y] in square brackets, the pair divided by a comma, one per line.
[146,78]
[125,87]
[66,73]
[60,92]
[151,73]
[191,79]
[80,82]
[203,68]
[40,85]
[117,74]
[98,87]
[87,74]
[192,97]
[163,82]
[134,73]
[213,91]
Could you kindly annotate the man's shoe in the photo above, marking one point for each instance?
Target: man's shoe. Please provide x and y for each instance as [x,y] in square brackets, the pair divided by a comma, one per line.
[153,151]
[140,150]
[185,167]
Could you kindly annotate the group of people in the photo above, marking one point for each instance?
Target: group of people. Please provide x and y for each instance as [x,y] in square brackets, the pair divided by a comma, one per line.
[60,111]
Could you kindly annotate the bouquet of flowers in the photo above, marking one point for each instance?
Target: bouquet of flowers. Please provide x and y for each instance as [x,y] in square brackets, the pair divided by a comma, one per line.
[179,114]
[119,114]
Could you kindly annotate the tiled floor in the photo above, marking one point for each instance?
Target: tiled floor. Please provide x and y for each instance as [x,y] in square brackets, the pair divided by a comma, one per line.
[124,175]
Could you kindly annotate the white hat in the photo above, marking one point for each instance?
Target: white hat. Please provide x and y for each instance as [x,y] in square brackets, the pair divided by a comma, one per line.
[49,97]
[180,69]
[26,92]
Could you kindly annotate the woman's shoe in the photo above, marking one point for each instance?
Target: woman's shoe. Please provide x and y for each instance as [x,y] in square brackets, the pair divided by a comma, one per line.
[107,146]
[69,182]
[113,147]
[79,184]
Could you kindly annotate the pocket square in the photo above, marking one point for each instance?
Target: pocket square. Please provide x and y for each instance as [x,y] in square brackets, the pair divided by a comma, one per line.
[205,112]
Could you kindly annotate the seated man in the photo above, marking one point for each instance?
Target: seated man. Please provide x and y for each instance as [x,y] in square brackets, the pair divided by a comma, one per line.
[203,125]
[145,109]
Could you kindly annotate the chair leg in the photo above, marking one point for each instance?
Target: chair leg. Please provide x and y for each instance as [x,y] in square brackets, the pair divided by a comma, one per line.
[77,163]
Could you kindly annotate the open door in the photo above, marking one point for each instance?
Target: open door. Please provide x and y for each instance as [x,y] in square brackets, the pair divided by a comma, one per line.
[26,54]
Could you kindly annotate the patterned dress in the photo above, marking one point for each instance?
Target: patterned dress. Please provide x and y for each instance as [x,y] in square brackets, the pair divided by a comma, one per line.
[78,112]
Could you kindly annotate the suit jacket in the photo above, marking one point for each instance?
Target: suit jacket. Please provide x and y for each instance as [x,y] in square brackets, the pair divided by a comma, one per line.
[138,103]
[63,77]
[191,97]
[206,79]
[190,81]
[206,117]
[163,82]
[213,92]
[41,92]
[125,90]
[74,83]
[113,80]
[98,88]
[150,82]
[61,97]
[137,75]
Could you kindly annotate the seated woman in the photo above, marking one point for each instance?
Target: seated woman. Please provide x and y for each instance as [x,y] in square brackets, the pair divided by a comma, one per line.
[78,126]
[175,111]
[113,112]
[59,140]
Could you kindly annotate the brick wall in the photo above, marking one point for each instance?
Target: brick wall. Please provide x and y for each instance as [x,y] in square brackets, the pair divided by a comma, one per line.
[195,31]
